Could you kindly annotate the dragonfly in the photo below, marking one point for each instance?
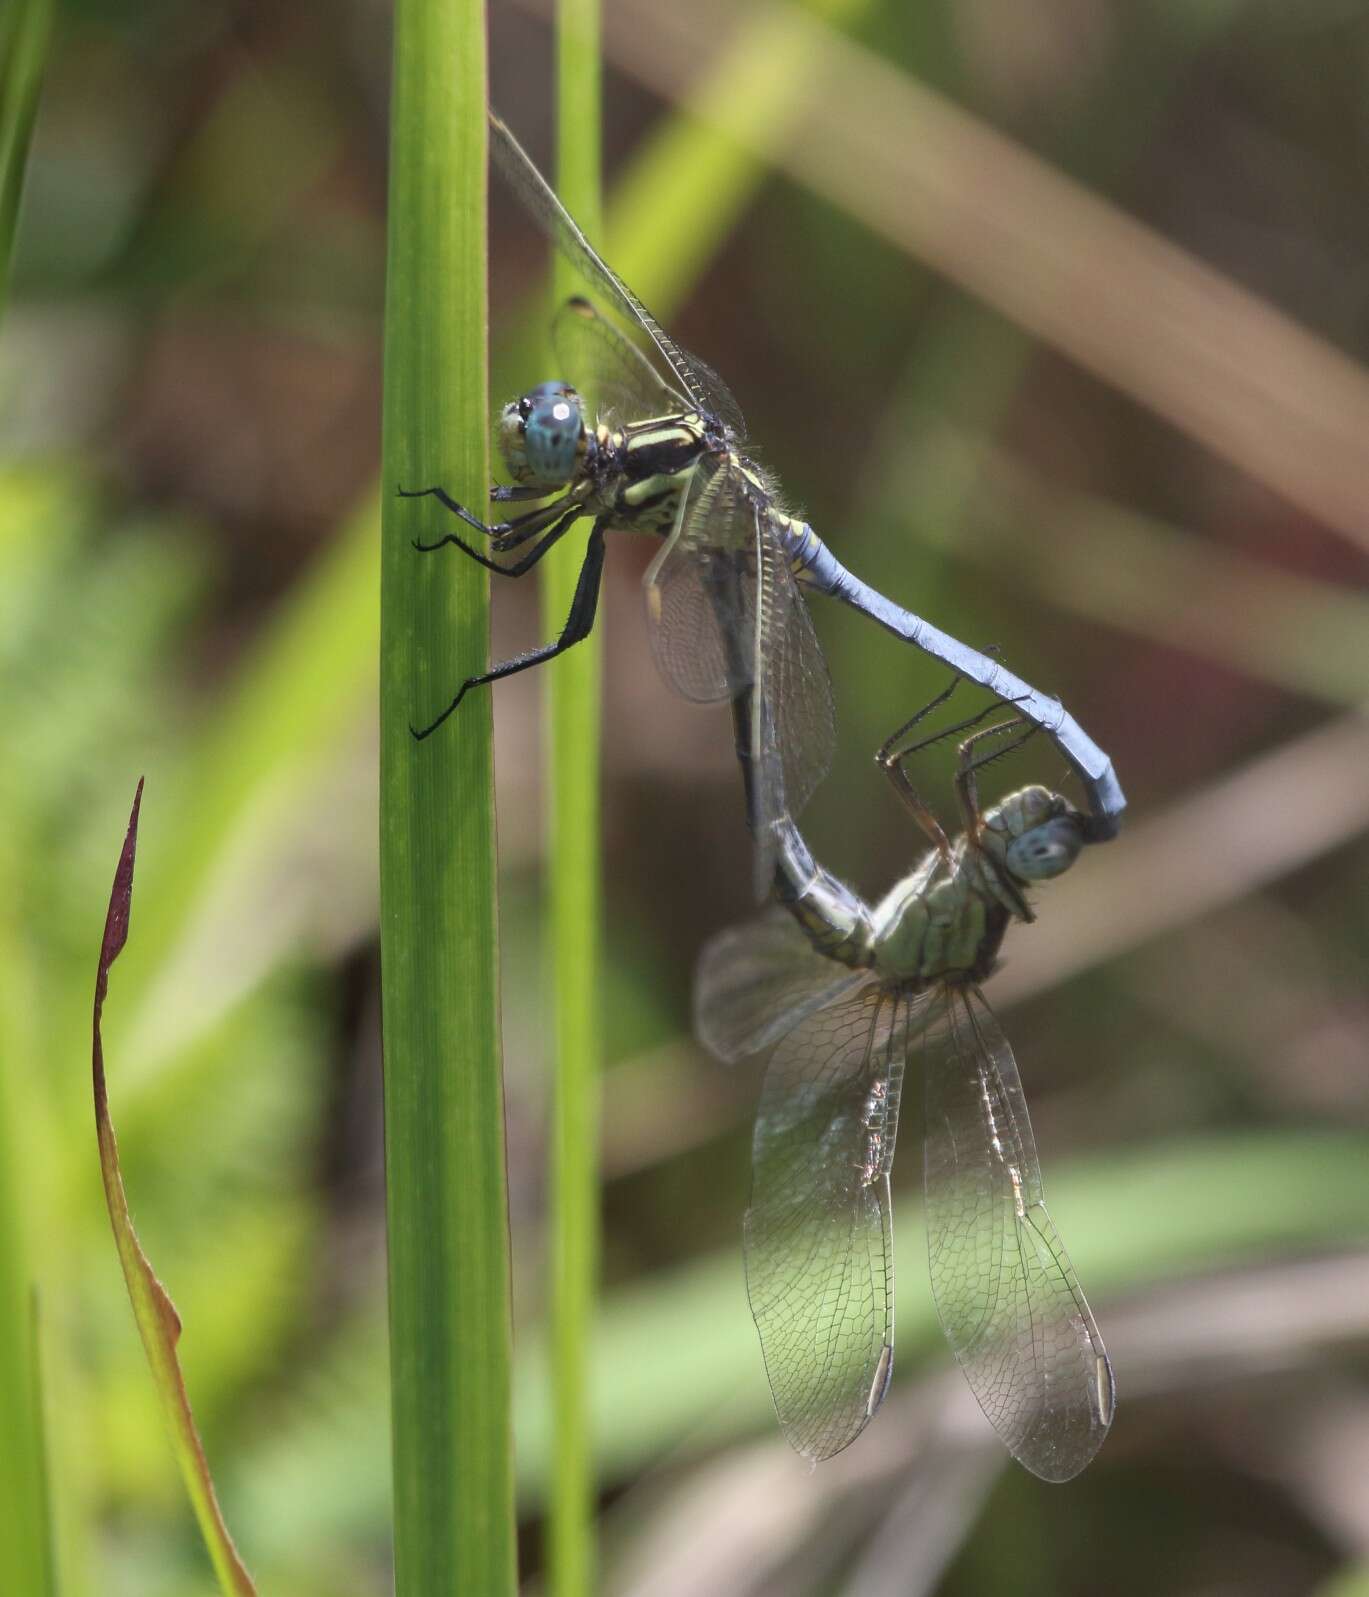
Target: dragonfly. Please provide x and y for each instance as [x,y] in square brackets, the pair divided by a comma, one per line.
[650,440]
[848,999]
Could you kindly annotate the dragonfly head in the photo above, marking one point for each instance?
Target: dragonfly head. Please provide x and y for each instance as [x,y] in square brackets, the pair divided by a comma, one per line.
[1044,834]
[541,434]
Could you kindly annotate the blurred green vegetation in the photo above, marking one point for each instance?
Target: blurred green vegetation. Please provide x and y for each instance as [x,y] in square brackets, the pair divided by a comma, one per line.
[189,389]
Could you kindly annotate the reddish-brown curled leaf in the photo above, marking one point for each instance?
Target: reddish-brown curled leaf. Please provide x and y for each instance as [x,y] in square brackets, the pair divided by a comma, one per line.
[158,1323]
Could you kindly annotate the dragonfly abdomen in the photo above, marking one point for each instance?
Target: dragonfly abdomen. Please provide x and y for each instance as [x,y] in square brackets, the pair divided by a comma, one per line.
[833,918]
[800,543]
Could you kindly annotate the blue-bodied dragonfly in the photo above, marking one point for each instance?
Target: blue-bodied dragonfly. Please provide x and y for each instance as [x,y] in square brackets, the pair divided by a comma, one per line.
[849,1000]
[651,440]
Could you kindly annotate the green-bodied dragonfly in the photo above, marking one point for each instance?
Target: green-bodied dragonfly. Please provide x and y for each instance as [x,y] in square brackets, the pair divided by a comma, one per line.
[649,439]
[849,999]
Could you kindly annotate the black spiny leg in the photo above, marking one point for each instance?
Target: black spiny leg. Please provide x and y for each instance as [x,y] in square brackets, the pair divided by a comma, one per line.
[965,777]
[504,493]
[507,541]
[515,531]
[578,625]
[895,750]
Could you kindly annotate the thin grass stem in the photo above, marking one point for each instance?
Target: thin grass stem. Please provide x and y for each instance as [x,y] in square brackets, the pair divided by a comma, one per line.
[575,912]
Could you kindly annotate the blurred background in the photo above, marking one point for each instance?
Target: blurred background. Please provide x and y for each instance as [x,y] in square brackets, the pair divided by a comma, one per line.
[1053,320]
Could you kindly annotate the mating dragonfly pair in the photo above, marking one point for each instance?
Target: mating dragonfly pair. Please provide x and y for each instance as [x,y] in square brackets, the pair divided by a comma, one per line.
[650,440]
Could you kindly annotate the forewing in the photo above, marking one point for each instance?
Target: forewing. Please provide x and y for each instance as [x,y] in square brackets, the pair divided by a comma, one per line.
[1009,1302]
[608,369]
[701,589]
[794,735]
[725,614]
[819,1269]
[757,981]
[696,382]
[722,402]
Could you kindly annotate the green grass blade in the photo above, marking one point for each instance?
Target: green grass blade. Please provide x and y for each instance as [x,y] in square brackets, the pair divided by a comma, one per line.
[43,1481]
[25,1541]
[26,1545]
[158,1323]
[444,1132]
[25,29]
[572,689]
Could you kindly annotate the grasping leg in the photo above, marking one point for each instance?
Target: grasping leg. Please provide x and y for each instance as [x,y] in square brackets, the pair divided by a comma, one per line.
[526,525]
[529,560]
[966,787]
[578,623]
[890,757]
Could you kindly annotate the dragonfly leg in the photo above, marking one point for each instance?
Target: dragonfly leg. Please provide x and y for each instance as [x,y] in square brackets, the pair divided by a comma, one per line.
[886,748]
[508,492]
[527,561]
[889,750]
[529,523]
[916,806]
[893,752]
[966,785]
[579,622]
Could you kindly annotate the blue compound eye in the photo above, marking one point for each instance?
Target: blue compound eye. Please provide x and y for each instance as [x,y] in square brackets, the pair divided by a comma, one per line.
[540,434]
[1045,851]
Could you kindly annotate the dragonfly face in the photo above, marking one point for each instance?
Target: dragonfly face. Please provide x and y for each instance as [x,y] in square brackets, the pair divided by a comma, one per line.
[1044,834]
[542,435]
[1046,851]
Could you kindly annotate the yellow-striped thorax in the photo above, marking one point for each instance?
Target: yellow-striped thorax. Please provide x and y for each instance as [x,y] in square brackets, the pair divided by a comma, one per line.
[638,470]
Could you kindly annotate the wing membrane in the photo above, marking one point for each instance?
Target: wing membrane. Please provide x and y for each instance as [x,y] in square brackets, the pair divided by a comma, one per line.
[819,1270]
[1010,1305]
[614,376]
[795,737]
[756,982]
[696,382]
[701,589]
[726,614]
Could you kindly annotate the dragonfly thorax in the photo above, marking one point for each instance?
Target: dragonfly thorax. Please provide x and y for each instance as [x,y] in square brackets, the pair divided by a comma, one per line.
[947,919]
[935,925]
[542,435]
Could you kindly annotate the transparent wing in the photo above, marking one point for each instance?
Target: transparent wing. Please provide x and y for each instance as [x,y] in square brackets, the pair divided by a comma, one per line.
[819,1231]
[696,382]
[725,614]
[795,736]
[1008,1299]
[609,370]
[722,402]
[701,589]
[756,982]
